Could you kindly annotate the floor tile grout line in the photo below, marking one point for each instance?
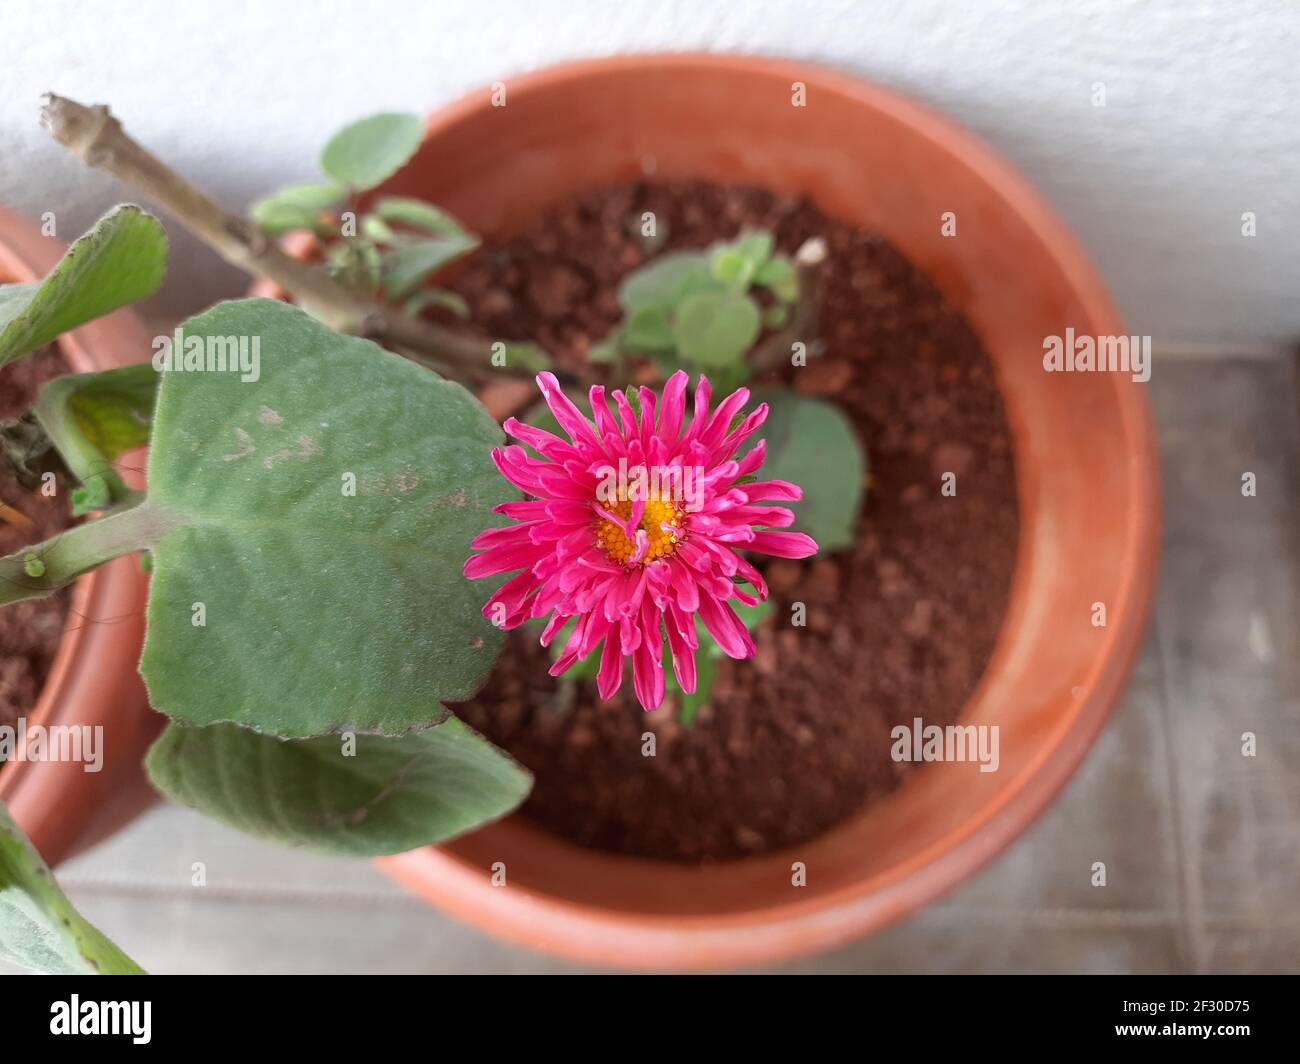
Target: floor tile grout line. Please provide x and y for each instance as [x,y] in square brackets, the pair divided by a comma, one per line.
[1189,887]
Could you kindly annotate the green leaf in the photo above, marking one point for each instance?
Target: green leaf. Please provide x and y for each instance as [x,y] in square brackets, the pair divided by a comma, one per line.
[811,443]
[323,610]
[649,330]
[91,496]
[387,796]
[526,355]
[775,316]
[376,229]
[112,410]
[39,928]
[405,268]
[778,275]
[436,297]
[756,246]
[95,418]
[736,264]
[121,259]
[731,268]
[296,207]
[715,329]
[402,210]
[609,349]
[664,281]
[357,263]
[369,151]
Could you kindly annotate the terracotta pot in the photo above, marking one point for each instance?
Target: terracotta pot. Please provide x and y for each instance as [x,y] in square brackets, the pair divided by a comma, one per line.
[94,679]
[1086,468]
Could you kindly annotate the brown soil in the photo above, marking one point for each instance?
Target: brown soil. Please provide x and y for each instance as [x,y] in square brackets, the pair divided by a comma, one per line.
[29,631]
[901,625]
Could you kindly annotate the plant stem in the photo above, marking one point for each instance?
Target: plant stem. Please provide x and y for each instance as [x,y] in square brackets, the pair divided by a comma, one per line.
[66,556]
[809,262]
[98,140]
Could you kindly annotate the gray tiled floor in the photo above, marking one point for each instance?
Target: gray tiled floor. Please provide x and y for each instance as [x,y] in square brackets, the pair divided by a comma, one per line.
[1201,844]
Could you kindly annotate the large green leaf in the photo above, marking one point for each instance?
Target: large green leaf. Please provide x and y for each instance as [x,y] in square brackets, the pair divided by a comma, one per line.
[379,796]
[95,418]
[122,259]
[39,928]
[811,443]
[371,150]
[322,611]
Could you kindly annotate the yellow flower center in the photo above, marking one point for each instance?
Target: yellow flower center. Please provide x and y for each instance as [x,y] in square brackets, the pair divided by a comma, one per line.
[661,520]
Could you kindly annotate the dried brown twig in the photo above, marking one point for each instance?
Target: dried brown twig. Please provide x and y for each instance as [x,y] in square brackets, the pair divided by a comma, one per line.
[94,136]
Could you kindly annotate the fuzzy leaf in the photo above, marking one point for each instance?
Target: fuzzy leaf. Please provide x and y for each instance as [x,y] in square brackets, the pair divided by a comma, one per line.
[421,300]
[39,928]
[609,349]
[664,281]
[715,329]
[402,210]
[95,418]
[296,207]
[649,330]
[357,263]
[811,443]
[526,355]
[371,150]
[778,275]
[387,796]
[756,246]
[121,259]
[405,268]
[731,268]
[322,610]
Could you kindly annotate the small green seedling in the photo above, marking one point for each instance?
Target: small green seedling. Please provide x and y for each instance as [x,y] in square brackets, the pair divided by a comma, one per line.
[701,310]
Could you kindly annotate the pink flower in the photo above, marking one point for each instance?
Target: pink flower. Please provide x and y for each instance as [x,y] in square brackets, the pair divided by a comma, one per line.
[634,526]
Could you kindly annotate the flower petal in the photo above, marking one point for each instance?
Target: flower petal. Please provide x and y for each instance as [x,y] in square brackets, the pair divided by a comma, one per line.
[784,544]
[723,624]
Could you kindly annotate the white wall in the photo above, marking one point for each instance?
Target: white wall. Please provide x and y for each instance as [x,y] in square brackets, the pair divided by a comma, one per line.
[1202,120]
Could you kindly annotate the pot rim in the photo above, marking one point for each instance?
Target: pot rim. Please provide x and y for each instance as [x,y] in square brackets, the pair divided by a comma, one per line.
[751,936]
